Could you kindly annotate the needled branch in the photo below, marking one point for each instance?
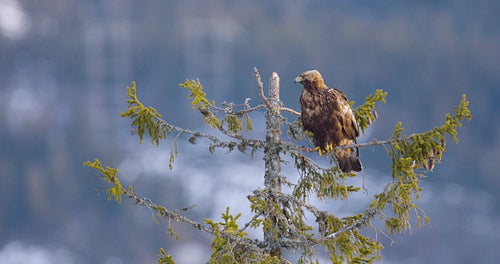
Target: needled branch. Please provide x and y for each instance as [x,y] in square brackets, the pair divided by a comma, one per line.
[272,163]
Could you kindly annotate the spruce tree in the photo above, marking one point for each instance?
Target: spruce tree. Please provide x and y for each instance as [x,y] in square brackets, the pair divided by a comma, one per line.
[279,207]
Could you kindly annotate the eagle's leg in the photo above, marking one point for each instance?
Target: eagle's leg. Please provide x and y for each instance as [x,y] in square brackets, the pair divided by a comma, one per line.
[327,150]
[321,151]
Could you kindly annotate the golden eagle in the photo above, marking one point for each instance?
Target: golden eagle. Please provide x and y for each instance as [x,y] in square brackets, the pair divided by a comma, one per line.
[327,115]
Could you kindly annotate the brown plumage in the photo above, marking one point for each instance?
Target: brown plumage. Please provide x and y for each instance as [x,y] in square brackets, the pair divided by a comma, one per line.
[327,115]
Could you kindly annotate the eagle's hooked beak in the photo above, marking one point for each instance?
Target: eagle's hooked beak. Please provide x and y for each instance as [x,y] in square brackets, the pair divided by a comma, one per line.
[299,79]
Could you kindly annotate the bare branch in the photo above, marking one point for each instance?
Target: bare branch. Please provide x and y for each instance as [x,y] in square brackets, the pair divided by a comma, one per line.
[261,88]
[251,109]
[291,146]
[290,110]
[374,142]
[247,108]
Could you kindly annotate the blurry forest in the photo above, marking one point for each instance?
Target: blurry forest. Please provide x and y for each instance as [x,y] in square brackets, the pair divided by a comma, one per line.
[65,65]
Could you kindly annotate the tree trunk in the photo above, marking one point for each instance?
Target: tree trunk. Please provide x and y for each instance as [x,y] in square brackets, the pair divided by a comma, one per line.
[272,159]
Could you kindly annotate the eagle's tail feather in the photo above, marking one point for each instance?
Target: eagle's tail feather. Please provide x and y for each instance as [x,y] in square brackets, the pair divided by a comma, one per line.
[355,164]
[349,163]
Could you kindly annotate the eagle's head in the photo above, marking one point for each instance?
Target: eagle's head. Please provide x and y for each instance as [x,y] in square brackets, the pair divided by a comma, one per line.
[311,79]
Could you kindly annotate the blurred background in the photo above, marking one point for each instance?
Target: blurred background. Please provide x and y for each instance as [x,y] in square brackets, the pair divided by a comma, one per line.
[65,65]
